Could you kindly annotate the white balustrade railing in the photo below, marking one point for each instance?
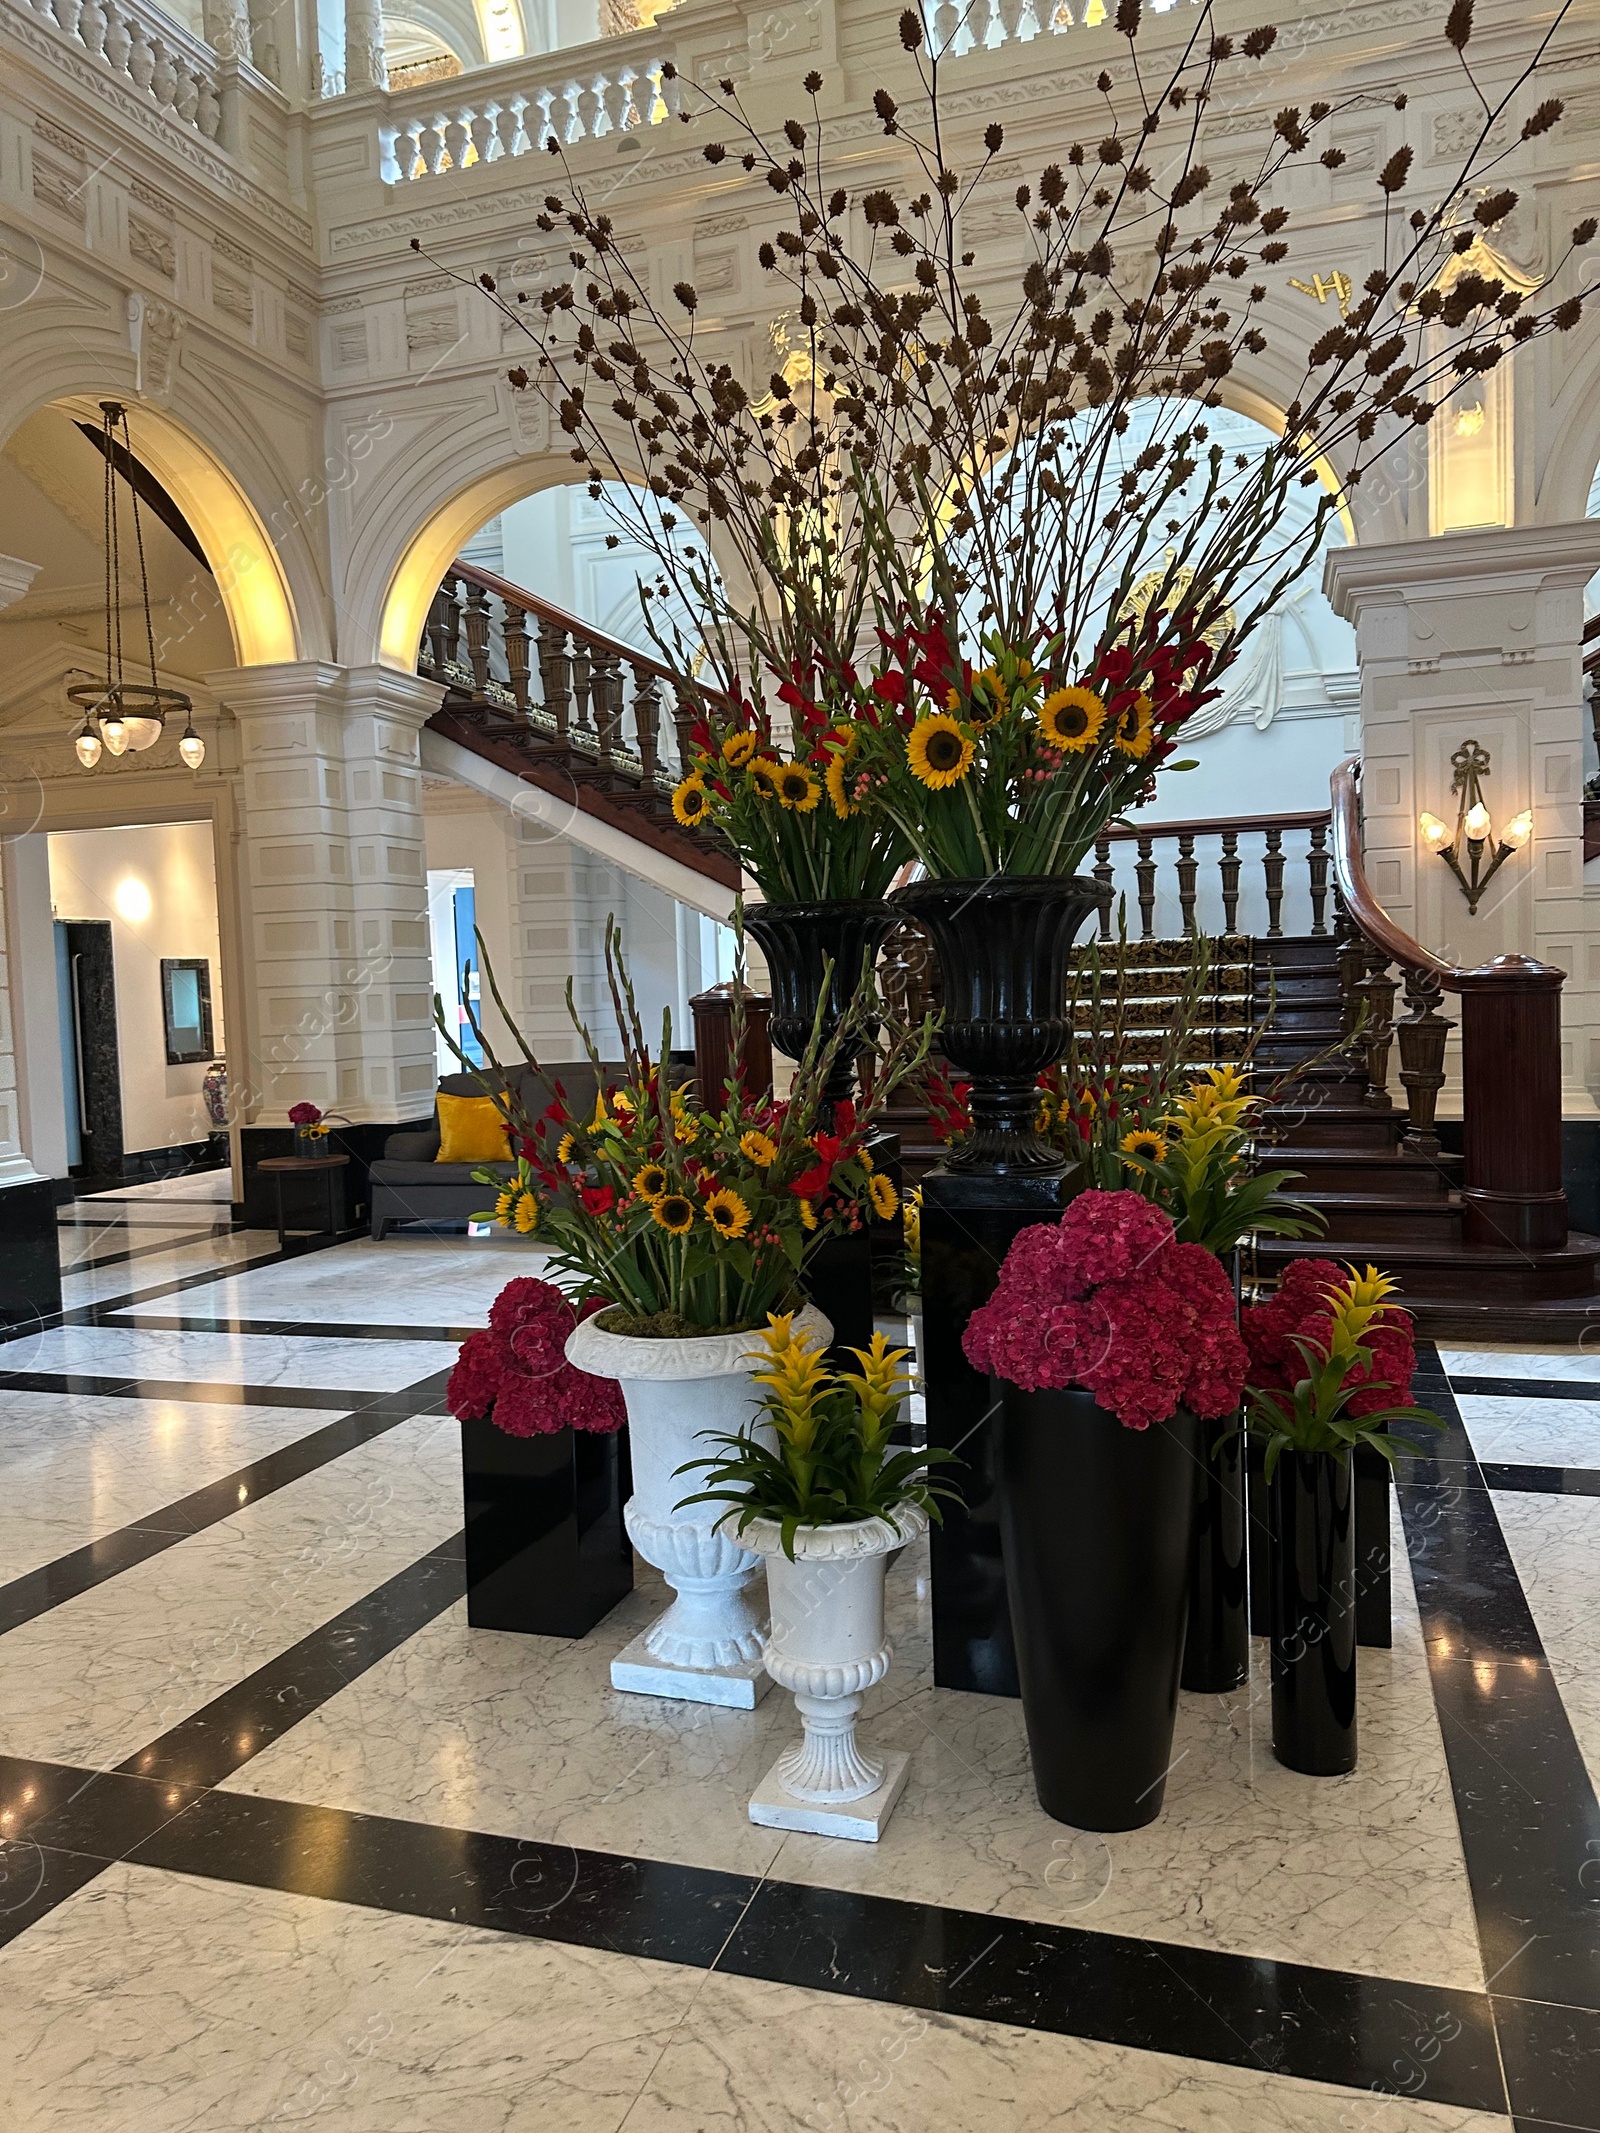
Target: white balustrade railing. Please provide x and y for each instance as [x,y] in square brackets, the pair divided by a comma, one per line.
[582,94]
[960,26]
[149,52]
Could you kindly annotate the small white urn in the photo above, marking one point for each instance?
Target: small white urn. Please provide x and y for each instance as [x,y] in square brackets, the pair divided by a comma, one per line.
[682,1394]
[827,1645]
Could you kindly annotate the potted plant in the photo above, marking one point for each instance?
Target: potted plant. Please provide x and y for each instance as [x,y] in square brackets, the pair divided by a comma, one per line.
[822,1494]
[1331,1363]
[1114,1343]
[544,1470]
[313,1130]
[690,1223]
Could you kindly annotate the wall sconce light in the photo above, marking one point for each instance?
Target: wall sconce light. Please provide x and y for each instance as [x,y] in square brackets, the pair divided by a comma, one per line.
[1464,852]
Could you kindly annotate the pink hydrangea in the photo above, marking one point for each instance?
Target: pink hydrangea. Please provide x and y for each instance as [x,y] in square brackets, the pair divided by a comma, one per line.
[1108,1299]
[516,1372]
[1300,1310]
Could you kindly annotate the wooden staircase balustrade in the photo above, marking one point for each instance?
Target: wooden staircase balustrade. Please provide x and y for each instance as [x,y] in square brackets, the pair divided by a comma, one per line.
[1157,843]
[565,707]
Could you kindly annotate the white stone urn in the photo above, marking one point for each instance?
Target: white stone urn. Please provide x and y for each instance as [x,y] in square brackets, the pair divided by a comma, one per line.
[680,1395]
[827,1645]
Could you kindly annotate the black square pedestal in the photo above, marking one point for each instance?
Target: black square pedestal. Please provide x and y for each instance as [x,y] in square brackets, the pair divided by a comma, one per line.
[967,1227]
[546,1550]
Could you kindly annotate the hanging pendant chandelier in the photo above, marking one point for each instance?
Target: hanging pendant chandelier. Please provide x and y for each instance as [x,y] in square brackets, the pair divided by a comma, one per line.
[120,715]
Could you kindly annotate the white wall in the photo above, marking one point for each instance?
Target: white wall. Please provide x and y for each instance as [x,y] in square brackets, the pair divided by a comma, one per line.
[98,874]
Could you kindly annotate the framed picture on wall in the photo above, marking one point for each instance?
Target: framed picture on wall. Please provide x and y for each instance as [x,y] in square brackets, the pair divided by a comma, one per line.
[186,1008]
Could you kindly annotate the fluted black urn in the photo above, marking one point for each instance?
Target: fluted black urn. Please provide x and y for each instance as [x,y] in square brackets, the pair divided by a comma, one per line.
[799,941]
[1004,945]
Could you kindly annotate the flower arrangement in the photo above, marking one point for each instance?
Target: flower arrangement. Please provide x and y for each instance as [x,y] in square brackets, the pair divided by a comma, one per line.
[515,1373]
[1195,1163]
[682,1216]
[1012,473]
[1109,1299]
[833,1461]
[1331,1364]
[310,1123]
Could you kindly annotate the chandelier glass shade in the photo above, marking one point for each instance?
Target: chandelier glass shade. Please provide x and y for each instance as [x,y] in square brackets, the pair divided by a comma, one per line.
[122,715]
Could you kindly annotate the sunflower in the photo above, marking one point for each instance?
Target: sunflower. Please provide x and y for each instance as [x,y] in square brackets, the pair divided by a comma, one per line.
[526,1215]
[691,803]
[1136,727]
[989,694]
[727,1213]
[738,749]
[885,1200]
[674,1212]
[808,1215]
[651,1182]
[939,751]
[798,788]
[834,779]
[1072,719]
[505,1203]
[758,1148]
[1146,1142]
[764,776]
[565,1147]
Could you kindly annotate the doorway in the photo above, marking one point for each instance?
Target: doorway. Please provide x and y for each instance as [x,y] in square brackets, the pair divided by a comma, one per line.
[91,1072]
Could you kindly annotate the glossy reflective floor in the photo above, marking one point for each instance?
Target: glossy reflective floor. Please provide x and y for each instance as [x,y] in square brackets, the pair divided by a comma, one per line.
[283,1841]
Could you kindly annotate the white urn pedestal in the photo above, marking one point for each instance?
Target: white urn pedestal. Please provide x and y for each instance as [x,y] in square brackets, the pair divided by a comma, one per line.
[707,1647]
[827,1645]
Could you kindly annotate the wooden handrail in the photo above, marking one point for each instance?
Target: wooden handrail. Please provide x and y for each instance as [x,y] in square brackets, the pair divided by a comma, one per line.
[1349,871]
[532,604]
[1313,818]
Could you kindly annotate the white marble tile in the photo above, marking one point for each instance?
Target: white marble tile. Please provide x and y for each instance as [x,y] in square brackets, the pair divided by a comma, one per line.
[1532,1432]
[753,2057]
[74,1467]
[136,1277]
[78,1246]
[423,1281]
[522,1736]
[229,1358]
[159,2003]
[105,1673]
[189,1187]
[1555,1545]
[1489,1359]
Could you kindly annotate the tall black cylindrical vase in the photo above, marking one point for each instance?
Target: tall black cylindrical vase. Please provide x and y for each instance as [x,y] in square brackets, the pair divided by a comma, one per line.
[799,941]
[547,1553]
[1313,1593]
[1004,945]
[1095,1524]
[1216,1653]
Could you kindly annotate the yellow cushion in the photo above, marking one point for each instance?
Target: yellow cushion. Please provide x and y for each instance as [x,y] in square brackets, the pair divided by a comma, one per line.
[472,1129]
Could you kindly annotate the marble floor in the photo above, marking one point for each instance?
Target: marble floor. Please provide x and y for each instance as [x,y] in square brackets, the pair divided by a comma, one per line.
[284,1840]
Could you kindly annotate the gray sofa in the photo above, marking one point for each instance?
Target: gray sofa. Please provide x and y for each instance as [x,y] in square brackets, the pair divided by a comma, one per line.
[406,1184]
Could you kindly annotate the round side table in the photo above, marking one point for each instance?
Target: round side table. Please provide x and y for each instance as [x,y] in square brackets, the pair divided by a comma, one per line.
[282,1166]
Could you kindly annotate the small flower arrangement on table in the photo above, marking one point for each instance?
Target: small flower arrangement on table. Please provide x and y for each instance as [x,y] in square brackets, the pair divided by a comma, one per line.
[312,1127]
[1109,1299]
[515,1373]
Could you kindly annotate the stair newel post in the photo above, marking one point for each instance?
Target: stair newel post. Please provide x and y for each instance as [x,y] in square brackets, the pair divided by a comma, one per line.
[1104,876]
[1229,864]
[1317,862]
[1272,867]
[1421,1038]
[1511,1104]
[555,671]
[1188,875]
[1376,992]
[477,625]
[1145,869]
[516,637]
[647,722]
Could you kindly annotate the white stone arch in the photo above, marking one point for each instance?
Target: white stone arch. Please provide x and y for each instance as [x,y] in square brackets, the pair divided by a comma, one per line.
[212,462]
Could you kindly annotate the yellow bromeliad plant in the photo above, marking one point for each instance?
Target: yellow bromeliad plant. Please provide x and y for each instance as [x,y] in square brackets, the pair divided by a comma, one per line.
[684,1215]
[833,1460]
[1196,1162]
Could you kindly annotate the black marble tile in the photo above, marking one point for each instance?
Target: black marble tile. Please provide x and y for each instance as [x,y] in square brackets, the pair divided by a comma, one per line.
[37,1591]
[1528,1388]
[1543,1480]
[1285,2018]
[35,1878]
[224,1734]
[1552,2061]
[101,1813]
[669,1914]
